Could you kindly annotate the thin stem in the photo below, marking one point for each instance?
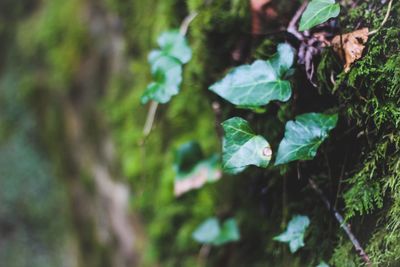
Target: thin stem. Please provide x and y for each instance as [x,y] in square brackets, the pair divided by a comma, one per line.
[384,19]
[203,254]
[361,252]
[150,118]
[186,22]
[292,24]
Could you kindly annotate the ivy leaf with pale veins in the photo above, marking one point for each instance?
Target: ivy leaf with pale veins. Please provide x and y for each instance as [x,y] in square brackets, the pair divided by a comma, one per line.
[317,12]
[259,83]
[242,147]
[304,136]
[282,61]
[294,234]
[167,73]
[172,44]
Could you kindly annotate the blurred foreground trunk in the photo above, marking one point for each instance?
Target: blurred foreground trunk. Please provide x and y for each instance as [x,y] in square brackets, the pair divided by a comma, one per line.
[91,152]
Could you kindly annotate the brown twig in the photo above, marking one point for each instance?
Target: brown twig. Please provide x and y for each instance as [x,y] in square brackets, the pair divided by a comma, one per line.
[384,19]
[292,24]
[361,252]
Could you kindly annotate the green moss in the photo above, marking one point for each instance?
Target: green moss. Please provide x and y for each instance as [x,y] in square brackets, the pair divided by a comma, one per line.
[55,39]
[344,255]
[369,94]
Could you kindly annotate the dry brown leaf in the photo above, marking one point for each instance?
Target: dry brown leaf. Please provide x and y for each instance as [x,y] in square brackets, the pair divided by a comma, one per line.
[350,46]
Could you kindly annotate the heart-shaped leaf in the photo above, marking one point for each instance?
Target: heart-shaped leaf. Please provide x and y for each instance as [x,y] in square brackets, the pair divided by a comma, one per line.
[166,67]
[167,73]
[294,234]
[242,147]
[207,232]
[303,136]
[192,170]
[154,55]
[210,232]
[259,83]
[229,233]
[282,61]
[172,44]
[317,12]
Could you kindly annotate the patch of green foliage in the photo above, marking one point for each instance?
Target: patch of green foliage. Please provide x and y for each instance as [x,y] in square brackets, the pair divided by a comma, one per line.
[369,95]
[55,39]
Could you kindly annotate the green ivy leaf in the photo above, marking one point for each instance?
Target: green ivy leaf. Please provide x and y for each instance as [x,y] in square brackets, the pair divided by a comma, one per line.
[166,67]
[192,169]
[259,83]
[167,73]
[207,232]
[317,12]
[282,61]
[241,147]
[229,233]
[172,44]
[304,136]
[154,55]
[322,264]
[294,234]
[210,232]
